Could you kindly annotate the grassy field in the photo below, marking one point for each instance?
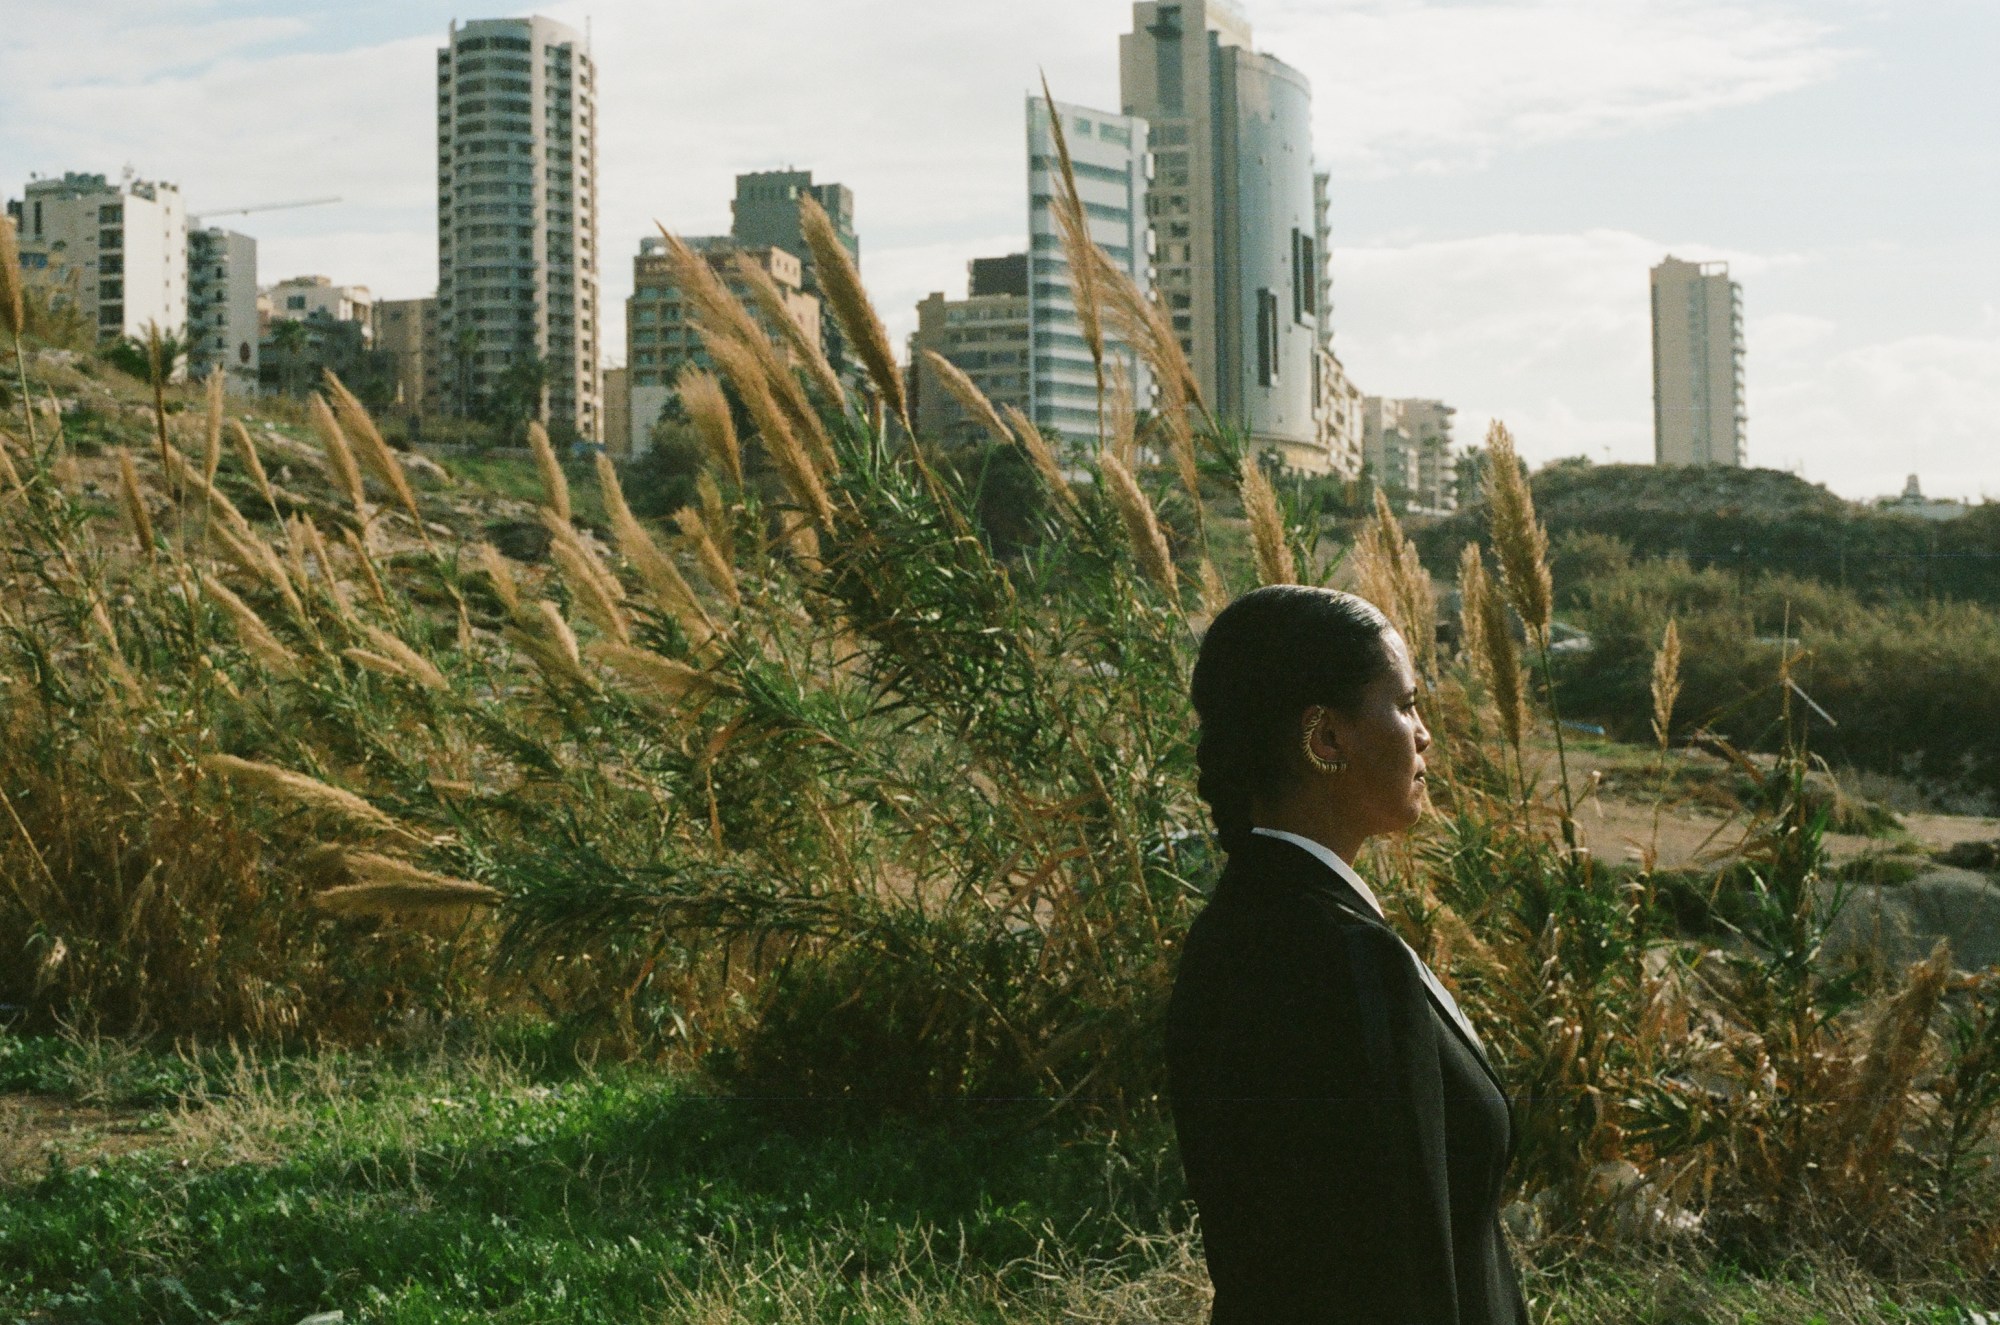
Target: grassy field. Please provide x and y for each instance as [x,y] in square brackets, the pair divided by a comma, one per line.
[505,1182]
[847,833]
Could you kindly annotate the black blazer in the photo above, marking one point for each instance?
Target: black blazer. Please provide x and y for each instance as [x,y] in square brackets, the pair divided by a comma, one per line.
[1345,1143]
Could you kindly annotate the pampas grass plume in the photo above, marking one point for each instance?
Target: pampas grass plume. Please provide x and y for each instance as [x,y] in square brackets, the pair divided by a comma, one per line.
[500,575]
[13,309]
[211,454]
[1666,683]
[253,462]
[251,632]
[664,677]
[413,664]
[339,457]
[967,393]
[708,409]
[835,270]
[134,501]
[1142,527]
[375,452]
[1519,542]
[299,791]
[384,885]
[764,293]
[715,567]
[554,485]
[1043,457]
[1267,527]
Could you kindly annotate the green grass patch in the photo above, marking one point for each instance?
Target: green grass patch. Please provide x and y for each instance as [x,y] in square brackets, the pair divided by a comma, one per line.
[513,1185]
[485,1187]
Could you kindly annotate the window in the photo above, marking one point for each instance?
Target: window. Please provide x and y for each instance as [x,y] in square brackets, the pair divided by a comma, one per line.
[1305,278]
[294,302]
[111,215]
[1267,338]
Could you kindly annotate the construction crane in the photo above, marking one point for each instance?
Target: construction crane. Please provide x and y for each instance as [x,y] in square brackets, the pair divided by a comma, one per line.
[262,207]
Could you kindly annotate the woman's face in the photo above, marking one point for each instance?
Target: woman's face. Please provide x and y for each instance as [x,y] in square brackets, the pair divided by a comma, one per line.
[1383,740]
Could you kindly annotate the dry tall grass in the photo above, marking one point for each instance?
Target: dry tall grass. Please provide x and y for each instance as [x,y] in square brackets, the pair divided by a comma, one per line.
[860,808]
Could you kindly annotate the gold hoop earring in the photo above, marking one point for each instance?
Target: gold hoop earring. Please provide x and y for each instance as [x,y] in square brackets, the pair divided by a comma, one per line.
[1319,762]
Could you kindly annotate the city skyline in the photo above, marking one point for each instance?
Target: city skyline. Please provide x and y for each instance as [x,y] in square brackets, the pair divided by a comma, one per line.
[1504,175]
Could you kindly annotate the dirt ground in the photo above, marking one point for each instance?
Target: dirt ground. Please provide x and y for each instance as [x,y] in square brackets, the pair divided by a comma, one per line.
[36,1128]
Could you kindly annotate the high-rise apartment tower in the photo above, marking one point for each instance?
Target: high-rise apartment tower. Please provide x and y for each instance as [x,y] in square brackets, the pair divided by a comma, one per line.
[1698,414]
[1237,221]
[518,266]
[1108,156]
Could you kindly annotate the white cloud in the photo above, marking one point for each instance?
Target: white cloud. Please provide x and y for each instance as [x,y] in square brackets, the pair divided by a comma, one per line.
[919,110]
[1876,412]
[1414,85]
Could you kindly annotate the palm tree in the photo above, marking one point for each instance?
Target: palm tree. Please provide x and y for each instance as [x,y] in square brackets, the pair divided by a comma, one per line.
[464,354]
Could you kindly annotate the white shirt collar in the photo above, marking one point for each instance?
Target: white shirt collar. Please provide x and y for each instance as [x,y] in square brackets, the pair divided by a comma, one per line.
[1327,857]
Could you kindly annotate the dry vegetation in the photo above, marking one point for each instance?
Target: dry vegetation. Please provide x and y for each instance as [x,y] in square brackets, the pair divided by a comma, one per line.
[817,789]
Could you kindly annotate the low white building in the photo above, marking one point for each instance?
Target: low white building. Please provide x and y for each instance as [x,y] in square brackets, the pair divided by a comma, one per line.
[118,250]
[222,307]
[317,298]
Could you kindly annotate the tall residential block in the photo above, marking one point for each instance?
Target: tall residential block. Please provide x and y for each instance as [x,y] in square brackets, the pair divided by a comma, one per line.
[765,214]
[1339,410]
[1388,451]
[661,331]
[1237,218]
[1108,157]
[1407,450]
[1698,412]
[222,307]
[118,250]
[407,331]
[1429,426]
[985,336]
[518,268]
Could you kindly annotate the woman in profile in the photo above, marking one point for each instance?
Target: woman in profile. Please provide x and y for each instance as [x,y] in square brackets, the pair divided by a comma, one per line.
[1345,1139]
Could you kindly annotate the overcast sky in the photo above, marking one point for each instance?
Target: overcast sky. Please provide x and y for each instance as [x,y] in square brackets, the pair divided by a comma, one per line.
[1505,171]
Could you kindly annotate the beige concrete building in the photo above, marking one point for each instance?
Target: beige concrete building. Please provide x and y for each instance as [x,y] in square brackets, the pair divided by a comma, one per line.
[1698,410]
[1388,452]
[517,165]
[1428,424]
[118,250]
[660,333]
[1340,416]
[987,336]
[317,298]
[1407,449]
[407,331]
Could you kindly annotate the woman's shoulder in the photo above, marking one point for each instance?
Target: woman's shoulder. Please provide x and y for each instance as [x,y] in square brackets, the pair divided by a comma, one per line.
[1277,904]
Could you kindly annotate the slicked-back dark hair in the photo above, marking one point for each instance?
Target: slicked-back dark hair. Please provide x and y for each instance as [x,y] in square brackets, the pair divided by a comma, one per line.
[1267,657]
